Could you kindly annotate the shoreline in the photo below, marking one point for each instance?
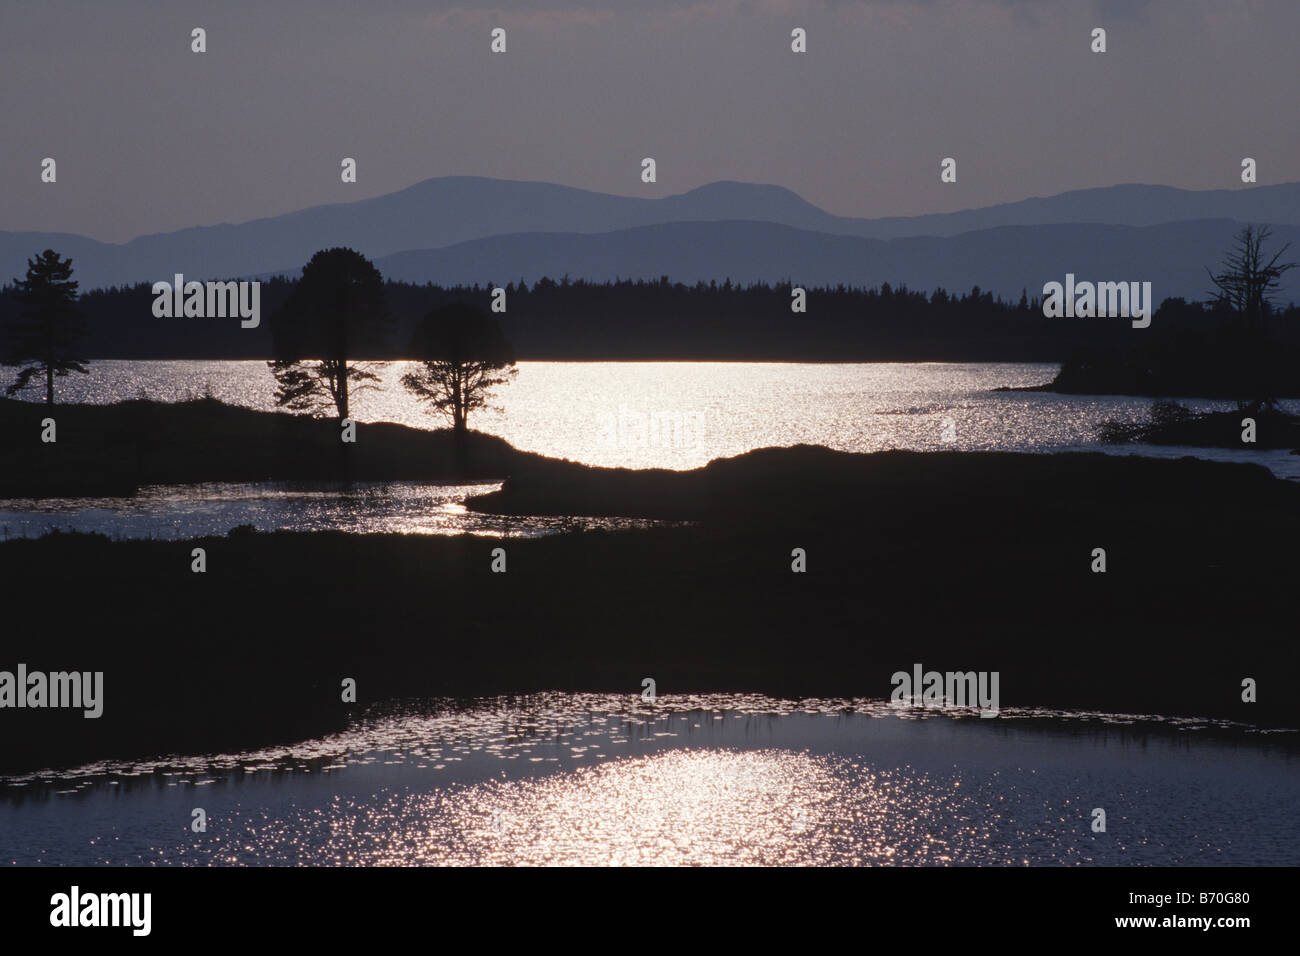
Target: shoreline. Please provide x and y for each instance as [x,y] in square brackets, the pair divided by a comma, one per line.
[1032,719]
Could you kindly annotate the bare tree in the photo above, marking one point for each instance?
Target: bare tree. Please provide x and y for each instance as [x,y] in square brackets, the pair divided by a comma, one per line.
[1245,286]
[1247,283]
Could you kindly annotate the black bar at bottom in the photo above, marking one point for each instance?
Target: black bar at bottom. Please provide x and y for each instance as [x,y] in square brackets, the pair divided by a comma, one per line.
[875,905]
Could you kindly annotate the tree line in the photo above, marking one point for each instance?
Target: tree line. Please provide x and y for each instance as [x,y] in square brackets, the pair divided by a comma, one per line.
[321,332]
[559,318]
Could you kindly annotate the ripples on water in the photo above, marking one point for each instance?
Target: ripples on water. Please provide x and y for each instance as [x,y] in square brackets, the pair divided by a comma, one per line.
[716,779]
[684,414]
[190,511]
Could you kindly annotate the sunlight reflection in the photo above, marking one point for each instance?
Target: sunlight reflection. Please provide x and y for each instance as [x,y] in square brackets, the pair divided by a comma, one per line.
[681,807]
[702,779]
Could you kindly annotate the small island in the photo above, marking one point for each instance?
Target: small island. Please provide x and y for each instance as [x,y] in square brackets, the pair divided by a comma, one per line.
[1240,346]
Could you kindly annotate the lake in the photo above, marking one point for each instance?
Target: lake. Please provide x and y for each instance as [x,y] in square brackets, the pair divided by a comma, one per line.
[631,414]
[719,779]
[599,779]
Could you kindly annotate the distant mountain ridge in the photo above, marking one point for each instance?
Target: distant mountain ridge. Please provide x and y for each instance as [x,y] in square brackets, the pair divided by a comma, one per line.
[1004,260]
[449,212]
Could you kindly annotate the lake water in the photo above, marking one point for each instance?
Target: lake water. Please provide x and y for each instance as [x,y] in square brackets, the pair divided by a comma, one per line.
[684,414]
[606,780]
[192,511]
[596,779]
[634,415]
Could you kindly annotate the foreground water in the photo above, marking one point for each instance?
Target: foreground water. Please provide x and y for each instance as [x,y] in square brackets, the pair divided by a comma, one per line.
[192,511]
[716,780]
[633,415]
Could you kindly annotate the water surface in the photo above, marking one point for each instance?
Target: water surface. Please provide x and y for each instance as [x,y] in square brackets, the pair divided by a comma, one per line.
[622,414]
[684,414]
[191,511]
[719,779]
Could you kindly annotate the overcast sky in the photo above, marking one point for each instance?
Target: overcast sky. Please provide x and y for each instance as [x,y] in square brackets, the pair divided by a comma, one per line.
[150,137]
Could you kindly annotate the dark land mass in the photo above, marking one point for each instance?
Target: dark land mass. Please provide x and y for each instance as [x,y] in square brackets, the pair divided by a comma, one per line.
[666,320]
[958,561]
[1172,424]
[1189,351]
[104,450]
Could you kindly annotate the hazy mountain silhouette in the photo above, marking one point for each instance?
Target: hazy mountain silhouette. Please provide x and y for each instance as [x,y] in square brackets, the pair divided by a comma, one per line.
[1124,205]
[1004,260]
[447,211]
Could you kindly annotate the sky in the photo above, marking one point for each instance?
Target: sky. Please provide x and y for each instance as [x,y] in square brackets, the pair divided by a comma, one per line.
[149,136]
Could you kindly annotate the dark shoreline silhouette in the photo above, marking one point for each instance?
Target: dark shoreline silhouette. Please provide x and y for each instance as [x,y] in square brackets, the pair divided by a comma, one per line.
[972,561]
[112,450]
[1171,424]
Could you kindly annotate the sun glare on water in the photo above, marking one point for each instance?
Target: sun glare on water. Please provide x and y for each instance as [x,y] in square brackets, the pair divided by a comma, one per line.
[702,807]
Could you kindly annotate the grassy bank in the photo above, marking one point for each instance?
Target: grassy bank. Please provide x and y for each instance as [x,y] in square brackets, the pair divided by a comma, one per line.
[956,561]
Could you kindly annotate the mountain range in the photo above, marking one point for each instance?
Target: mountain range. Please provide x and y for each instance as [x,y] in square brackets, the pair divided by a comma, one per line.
[472,229]
[1005,260]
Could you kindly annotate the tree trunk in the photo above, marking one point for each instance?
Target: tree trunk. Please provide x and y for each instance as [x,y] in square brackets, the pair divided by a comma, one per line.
[343,391]
[457,406]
